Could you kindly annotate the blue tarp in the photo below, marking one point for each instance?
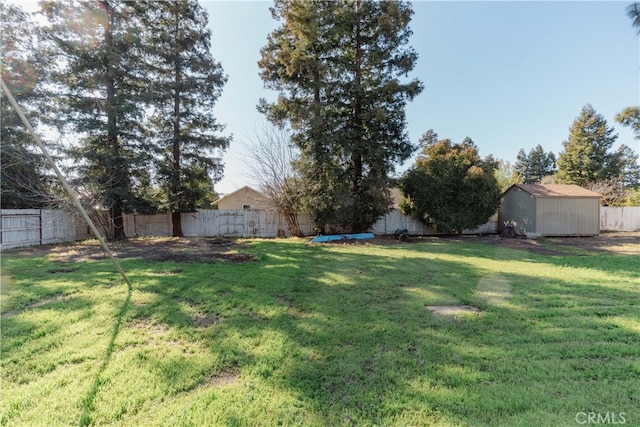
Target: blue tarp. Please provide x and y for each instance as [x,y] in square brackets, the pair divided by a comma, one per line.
[341,237]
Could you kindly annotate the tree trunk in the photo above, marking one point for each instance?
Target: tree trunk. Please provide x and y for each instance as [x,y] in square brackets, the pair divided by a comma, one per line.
[356,156]
[117,172]
[177,224]
[175,179]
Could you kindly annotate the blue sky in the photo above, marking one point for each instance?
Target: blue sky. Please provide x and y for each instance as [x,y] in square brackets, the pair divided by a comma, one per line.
[510,75]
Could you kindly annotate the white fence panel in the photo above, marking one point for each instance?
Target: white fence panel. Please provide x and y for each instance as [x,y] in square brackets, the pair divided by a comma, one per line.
[231,223]
[204,223]
[490,227]
[57,226]
[28,227]
[20,227]
[147,225]
[395,220]
[305,224]
[620,219]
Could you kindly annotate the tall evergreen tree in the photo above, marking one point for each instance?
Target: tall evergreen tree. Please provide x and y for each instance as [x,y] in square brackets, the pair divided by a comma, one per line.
[625,167]
[25,182]
[630,117]
[633,10]
[186,83]
[536,165]
[586,157]
[337,67]
[99,97]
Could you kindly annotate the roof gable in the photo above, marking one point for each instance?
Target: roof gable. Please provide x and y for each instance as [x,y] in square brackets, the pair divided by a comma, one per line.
[555,190]
[246,187]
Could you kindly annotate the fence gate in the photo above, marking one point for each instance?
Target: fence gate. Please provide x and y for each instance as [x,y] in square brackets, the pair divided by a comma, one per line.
[231,223]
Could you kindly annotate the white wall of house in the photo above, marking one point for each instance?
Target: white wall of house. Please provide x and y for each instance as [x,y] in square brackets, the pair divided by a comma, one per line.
[244,198]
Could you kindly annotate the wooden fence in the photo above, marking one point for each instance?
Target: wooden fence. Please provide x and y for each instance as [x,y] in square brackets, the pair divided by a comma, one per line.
[30,227]
[27,227]
[206,223]
[620,219]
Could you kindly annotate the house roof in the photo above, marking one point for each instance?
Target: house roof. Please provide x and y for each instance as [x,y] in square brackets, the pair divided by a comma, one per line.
[555,190]
[246,187]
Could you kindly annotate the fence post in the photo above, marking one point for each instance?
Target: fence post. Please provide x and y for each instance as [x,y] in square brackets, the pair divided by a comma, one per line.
[40,225]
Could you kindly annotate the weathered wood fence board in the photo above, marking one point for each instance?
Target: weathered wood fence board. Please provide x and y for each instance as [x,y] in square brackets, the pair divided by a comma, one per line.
[620,219]
[27,227]
[20,227]
[147,225]
[30,227]
[395,220]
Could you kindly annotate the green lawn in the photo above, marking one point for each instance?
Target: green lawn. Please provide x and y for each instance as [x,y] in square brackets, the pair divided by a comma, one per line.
[323,335]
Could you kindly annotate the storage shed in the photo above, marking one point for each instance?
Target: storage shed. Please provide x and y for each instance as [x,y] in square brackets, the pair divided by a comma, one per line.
[550,210]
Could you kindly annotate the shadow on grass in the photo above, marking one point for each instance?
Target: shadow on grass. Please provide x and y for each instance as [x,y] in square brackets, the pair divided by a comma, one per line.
[346,332]
[88,401]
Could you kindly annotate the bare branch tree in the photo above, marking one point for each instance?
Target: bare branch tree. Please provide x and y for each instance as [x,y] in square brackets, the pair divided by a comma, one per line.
[269,157]
[612,191]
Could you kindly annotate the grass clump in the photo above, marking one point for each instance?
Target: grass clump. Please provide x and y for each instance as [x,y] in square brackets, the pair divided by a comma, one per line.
[322,335]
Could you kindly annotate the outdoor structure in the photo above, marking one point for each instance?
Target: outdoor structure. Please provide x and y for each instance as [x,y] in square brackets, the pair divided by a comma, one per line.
[549,210]
[243,198]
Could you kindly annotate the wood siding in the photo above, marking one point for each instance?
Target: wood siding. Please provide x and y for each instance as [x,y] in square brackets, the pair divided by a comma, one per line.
[242,197]
[567,216]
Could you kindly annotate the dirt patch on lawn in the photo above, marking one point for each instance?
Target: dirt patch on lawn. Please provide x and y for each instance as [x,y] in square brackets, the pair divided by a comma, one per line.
[157,249]
[204,320]
[610,243]
[221,379]
[624,243]
[452,310]
[616,243]
[36,304]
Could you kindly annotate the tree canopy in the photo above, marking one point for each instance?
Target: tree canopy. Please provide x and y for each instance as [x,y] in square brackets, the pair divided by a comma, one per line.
[633,11]
[25,182]
[450,188]
[533,167]
[506,175]
[185,84]
[132,85]
[630,117]
[586,156]
[98,94]
[338,69]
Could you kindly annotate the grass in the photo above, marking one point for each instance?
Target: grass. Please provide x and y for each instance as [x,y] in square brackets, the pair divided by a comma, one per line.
[323,335]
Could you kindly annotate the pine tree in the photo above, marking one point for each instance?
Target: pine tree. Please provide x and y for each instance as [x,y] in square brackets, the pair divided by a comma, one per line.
[98,95]
[337,67]
[625,168]
[25,182]
[630,117]
[533,167]
[633,11]
[186,83]
[586,156]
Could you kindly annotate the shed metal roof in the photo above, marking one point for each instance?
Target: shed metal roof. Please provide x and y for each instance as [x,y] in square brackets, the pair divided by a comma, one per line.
[555,190]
